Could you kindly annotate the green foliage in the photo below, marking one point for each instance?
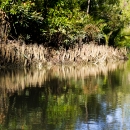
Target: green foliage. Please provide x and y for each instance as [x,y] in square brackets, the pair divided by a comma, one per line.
[66,21]
[123,38]
[22,16]
[40,20]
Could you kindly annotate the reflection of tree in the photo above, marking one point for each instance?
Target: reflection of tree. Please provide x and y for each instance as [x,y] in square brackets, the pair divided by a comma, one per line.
[58,100]
[35,108]
[103,95]
[3,105]
[26,110]
[51,105]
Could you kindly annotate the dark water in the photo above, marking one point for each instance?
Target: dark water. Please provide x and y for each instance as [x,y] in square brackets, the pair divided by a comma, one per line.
[66,98]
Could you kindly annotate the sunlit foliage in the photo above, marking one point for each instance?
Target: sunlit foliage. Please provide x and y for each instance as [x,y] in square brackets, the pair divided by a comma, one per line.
[40,21]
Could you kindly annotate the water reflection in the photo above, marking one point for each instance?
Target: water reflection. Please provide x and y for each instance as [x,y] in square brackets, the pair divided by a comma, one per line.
[69,98]
[19,79]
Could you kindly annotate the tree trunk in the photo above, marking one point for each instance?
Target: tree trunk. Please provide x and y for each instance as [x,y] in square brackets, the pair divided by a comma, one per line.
[107,37]
[88,7]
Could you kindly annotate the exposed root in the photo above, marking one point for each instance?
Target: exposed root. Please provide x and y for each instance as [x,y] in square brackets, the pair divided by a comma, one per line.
[22,55]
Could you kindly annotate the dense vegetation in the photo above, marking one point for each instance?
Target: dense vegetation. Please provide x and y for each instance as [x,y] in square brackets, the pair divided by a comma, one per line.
[65,22]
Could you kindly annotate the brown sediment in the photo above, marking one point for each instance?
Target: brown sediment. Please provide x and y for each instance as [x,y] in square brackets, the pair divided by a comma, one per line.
[21,55]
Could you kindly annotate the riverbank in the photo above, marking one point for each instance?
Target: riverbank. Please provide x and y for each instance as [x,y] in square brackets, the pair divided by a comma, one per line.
[18,54]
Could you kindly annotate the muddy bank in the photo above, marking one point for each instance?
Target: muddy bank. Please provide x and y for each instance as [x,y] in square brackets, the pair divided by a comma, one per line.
[17,54]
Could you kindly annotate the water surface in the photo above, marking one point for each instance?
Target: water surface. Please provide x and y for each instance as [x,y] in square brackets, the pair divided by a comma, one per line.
[66,98]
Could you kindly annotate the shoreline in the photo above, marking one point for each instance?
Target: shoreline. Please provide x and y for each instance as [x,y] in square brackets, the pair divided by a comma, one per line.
[20,55]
